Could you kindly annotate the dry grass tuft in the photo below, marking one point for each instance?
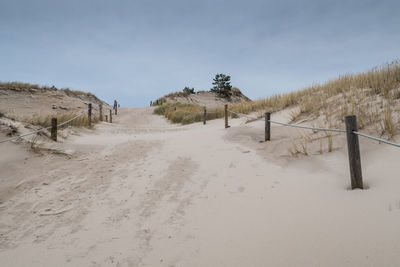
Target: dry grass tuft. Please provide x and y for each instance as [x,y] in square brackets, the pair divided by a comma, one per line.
[34,144]
[390,127]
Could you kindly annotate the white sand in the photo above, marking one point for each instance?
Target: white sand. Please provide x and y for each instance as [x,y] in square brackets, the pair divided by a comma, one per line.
[143,192]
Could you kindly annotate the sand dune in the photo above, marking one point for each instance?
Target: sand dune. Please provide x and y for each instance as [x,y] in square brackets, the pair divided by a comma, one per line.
[144,192]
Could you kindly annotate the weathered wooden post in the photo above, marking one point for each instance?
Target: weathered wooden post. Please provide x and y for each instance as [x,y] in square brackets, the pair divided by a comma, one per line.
[226,116]
[101,112]
[90,114]
[110,115]
[106,118]
[354,152]
[54,129]
[267,126]
[115,106]
[205,116]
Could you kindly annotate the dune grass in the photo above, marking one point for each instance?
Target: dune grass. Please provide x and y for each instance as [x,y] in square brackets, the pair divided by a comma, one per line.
[45,121]
[187,113]
[27,86]
[363,94]
[20,85]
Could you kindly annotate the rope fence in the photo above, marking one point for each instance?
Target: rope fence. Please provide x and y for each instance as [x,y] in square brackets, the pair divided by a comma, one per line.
[308,127]
[244,115]
[40,130]
[68,121]
[23,135]
[350,122]
[54,126]
[376,139]
[351,133]
[317,128]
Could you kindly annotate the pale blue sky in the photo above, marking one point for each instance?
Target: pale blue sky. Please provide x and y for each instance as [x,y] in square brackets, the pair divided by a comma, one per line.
[138,50]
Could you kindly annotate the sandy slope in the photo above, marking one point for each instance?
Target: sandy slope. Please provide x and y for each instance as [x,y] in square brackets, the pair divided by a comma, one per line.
[208,99]
[23,103]
[143,192]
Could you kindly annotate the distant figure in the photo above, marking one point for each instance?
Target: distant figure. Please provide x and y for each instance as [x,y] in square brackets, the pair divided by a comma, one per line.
[115,106]
[151,103]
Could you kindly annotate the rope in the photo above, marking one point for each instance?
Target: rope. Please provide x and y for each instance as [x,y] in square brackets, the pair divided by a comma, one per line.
[376,139]
[243,115]
[38,131]
[319,129]
[339,131]
[22,135]
[69,120]
[310,128]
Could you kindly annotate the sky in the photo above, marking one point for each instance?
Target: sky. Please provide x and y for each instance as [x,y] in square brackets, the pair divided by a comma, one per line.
[138,50]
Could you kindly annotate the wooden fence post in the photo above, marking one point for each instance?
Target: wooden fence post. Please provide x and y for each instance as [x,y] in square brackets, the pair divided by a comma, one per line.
[90,114]
[354,152]
[115,106]
[106,118]
[267,126]
[226,116]
[110,115]
[205,116]
[54,129]
[101,112]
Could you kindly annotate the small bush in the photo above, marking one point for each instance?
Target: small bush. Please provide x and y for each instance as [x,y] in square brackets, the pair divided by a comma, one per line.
[188,90]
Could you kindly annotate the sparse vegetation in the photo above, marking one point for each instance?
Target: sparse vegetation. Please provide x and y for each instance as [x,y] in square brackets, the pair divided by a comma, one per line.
[77,93]
[19,85]
[188,90]
[34,144]
[373,96]
[186,113]
[28,86]
[45,121]
[341,96]
[12,130]
[390,127]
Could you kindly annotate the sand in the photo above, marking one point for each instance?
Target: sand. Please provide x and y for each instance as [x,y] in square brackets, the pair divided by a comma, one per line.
[143,192]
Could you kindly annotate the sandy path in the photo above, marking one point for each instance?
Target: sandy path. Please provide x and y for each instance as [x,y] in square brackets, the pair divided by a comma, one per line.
[143,192]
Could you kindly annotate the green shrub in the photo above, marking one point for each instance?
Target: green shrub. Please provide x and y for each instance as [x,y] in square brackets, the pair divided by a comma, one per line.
[185,113]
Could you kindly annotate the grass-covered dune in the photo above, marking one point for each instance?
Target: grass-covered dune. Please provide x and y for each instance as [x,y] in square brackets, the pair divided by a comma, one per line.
[373,96]
[36,105]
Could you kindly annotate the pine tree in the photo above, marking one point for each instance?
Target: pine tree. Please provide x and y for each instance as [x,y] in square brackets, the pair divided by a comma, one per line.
[222,85]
